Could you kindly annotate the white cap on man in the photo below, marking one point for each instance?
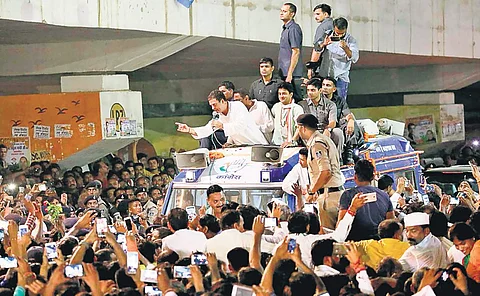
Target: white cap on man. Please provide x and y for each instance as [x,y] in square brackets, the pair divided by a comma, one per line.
[416,219]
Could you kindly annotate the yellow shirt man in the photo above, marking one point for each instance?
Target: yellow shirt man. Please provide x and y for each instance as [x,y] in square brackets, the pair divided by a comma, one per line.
[374,251]
[390,244]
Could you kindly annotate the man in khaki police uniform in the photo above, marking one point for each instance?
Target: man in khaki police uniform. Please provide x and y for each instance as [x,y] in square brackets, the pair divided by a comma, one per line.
[326,180]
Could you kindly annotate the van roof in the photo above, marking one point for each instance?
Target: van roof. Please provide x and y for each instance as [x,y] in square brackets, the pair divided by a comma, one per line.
[452,169]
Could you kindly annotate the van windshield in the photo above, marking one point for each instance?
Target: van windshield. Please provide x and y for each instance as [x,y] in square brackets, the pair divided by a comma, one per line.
[184,197]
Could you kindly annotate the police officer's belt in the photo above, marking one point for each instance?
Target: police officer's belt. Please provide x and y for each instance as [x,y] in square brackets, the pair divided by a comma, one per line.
[330,189]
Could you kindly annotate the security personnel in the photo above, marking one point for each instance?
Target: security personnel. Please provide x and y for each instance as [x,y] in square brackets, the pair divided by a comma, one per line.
[94,202]
[326,180]
[345,120]
[94,188]
[150,209]
[325,111]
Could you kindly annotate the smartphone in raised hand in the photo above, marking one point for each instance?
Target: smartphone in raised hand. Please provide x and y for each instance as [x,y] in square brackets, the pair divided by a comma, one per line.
[152,291]
[51,250]
[128,223]
[132,262]
[102,226]
[8,262]
[240,290]
[181,272]
[74,270]
[191,212]
[199,259]
[370,197]
[309,208]
[148,276]
[270,221]
[292,244]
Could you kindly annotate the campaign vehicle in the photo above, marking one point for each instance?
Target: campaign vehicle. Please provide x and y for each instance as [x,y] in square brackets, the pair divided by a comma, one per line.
[253,175]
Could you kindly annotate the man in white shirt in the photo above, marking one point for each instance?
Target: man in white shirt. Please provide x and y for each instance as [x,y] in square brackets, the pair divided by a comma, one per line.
[231,236]
[259,111]
[323,261]
[297,175]
[233,119]
[249,213]
[285,115]
[298,225]
[426,250]
[183,241]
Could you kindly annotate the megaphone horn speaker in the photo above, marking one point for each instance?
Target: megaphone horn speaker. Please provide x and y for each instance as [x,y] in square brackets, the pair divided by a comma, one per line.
[266,154]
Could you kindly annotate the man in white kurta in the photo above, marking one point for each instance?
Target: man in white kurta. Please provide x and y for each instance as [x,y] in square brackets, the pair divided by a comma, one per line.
[259,112]
[233,119]
[285,114]
[426,250]
[298,174]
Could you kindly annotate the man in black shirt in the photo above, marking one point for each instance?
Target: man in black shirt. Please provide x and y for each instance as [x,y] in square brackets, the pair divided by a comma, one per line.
[265,88]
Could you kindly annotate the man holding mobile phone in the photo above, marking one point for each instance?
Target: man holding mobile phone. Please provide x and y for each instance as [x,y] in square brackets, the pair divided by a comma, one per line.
[341,50]
[377,209]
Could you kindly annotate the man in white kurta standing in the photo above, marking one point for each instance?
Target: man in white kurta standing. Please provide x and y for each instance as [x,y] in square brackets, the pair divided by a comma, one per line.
[233,119]
[426,250]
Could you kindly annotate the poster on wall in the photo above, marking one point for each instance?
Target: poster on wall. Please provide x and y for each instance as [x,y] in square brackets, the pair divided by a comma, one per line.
[63,131]
[451,118]
[128,127]
[18,152]
[110,128]
[421,130]
[19,131]
[41,132]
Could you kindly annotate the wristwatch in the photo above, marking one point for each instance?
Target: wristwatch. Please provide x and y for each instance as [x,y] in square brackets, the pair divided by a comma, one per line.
[311,193]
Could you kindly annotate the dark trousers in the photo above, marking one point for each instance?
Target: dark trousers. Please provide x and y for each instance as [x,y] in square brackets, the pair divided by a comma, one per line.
[214,141]
[297,86]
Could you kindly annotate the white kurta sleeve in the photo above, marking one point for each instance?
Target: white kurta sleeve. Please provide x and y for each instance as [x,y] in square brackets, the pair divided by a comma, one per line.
[203,131]
[291,178]
[267,127]
[343,229]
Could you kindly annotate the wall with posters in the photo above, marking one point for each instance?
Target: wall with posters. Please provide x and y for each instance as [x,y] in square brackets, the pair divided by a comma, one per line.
[58,125]
[452,123]
[431,123]
[121,114]
[72,126]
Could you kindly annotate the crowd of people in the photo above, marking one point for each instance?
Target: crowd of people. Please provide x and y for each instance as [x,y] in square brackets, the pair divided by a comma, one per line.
[59,238]
[102,231]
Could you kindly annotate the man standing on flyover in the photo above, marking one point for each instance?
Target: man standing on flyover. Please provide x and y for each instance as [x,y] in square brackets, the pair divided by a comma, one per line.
[341,52]
[322,13]
[290,57]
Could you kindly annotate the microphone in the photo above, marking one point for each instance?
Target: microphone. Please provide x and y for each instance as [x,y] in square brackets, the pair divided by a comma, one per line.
[215,115]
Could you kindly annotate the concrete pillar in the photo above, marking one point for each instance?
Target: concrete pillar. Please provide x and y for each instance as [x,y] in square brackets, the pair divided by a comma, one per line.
[444,98]
[88,83]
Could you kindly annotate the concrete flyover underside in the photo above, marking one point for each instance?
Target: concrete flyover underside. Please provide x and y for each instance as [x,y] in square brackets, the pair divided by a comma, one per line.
[177,68]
